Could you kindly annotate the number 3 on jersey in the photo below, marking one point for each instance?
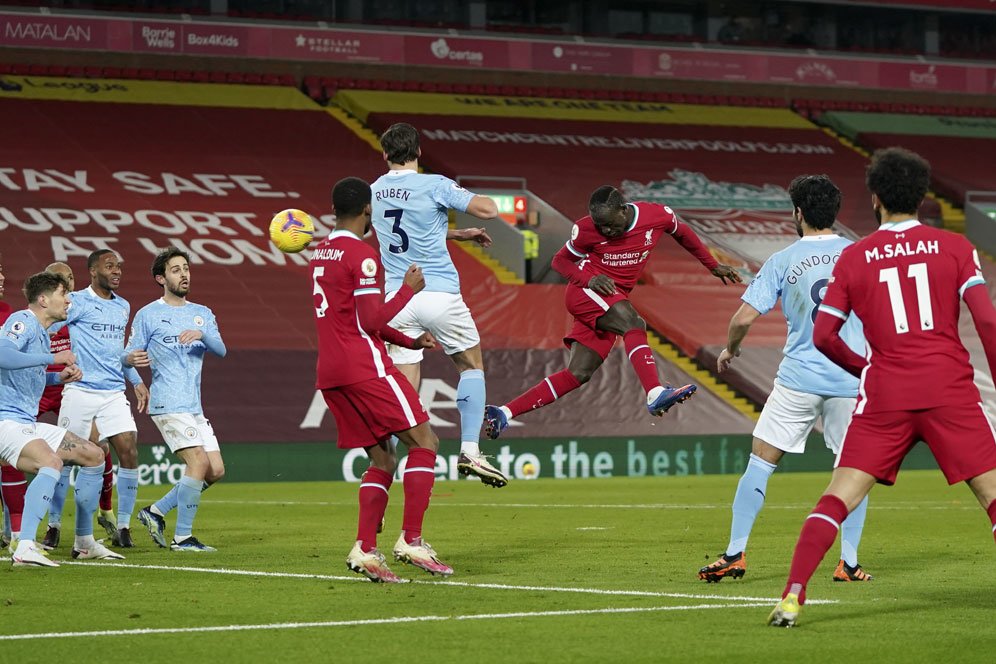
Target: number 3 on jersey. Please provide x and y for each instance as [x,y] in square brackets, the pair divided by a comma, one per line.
[397,230]
[917,272]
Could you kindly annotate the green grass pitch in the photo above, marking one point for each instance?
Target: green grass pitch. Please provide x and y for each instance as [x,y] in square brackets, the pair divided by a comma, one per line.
[548,570]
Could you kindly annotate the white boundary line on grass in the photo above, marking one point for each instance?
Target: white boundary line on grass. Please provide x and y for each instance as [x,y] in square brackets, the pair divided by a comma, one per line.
[457,584]
[373,621]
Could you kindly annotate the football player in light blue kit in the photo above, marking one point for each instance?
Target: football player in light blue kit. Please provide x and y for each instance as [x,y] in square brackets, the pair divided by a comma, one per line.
[410,217]
[172,335]
[98,318]
[808,385]
[37,447]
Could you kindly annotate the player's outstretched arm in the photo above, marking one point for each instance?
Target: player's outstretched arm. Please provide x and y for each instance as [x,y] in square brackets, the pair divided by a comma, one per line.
[482,207]
[12,358]
[826,338]
[739,327]
[984,317]
[686,237]
[573,267]
[398,338]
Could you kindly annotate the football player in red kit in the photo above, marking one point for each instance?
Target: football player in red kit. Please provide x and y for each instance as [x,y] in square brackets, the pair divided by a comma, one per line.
[905,282]
[603,261]
[369,398]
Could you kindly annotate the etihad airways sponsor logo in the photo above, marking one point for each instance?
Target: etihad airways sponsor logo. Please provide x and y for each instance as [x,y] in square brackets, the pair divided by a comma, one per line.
[38,31]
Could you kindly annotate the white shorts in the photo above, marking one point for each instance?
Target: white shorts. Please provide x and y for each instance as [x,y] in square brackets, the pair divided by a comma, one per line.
[15,435]
[444,315]
[81,408]
[183,430]
[788,417]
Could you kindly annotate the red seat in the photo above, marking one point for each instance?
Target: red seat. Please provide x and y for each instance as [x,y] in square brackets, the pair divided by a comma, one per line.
[108,72]
[129,72]
[74,72]
[201,76]
[184,75]
[287,79]
[166,75]
[147,74]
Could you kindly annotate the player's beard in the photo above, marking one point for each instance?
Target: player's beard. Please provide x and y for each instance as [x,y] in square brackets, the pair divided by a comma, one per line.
[179,290]
[878,214]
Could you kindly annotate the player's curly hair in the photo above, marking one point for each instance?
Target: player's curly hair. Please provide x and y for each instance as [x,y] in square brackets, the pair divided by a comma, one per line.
[349,197]
[400,143]
[900,178]
[43,283]
[164,257]
[818,198]
[605,199]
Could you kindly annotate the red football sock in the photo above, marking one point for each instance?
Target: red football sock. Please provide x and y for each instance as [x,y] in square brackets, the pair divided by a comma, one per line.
[544,393]
[14,486]
[108,486]
[419,478]
[818,534]
[374,487]
[642,358]
[992,515]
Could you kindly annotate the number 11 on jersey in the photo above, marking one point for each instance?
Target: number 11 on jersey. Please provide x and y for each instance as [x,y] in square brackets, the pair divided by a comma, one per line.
[917,272]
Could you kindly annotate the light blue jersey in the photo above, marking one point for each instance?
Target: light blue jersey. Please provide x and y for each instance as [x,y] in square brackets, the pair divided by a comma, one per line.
[21,389]
[176,367]
[799,274]
[411,220]
[98,333]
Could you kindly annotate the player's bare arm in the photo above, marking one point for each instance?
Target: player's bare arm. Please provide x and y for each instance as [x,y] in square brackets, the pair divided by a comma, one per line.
[602,285]
[739,327]
[137,358]
[141,397]
[984,318]
[477,235]
[482,207]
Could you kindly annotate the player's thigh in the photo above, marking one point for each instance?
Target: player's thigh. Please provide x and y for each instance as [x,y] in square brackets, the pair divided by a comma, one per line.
[449,320]
[180,431]
[79,410]
[20,446]
[589,307]
[72,448]
[589,348]
[389,404]
[114,417]
[212,448]
[877,443]
[961,439]
[407,321]
[837,413]
[787,418]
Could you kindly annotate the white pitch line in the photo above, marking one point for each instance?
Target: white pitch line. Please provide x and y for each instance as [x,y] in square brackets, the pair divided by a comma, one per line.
[457,584]
[374,621]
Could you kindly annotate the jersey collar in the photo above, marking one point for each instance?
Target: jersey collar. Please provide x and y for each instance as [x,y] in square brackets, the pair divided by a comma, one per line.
[636,217]
[819,238]
[403,171]
[92,292]
[899,226]
[344,233]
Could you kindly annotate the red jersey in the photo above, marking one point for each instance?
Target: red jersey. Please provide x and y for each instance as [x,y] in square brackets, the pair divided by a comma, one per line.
[60,342]
[622,258]
[905,282]
[5,312]
[344,268]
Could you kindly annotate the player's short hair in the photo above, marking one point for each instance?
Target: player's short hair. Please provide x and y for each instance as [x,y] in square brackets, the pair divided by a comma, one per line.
[43,283]
[349,197]
[818,198]
[164,257]
[94,257]
[900,178]
[400,143]
[605,199]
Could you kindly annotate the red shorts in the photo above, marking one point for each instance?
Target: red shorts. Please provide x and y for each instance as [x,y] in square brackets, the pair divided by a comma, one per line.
[368,412]
[51,400]
[961,439]
[587,307]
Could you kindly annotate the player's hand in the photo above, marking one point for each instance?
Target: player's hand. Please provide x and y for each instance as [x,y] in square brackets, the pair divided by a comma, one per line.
[190,336]
[70,374]
[425,340]
[414,278]
[478,235]
[725,272]
[138,358]
[602,285]
[141,397]
[66,357]
[725,360]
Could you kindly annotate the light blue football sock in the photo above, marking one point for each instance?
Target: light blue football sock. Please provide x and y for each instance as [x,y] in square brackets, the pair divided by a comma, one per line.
[748,501]
[168,502]
[36,500]
[188,496]
[59,498]
[127,494]
[471,397]
[850,533]
[89,479]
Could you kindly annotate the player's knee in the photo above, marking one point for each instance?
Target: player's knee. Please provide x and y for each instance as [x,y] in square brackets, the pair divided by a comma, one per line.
[387,463]
[214,474]
[635,322]
[127,458]
[52,461]
[91,456]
